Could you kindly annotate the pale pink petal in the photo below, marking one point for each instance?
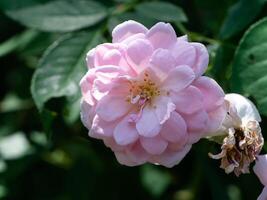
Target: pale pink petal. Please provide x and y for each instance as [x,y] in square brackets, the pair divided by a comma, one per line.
[87,114]
[126,29]
[101,128]
[197,121]
[124,159]
[112,107]
[132,38]
[137,153]
[90,58]
[155,145]
[163,108]
[263,195]
[213,93]
[171,158]
[162,61]
[148,125]
[260,168]
[216,118]
[125,132]
[188,100]
[178,79]
[183,38]
[111,143]
[184,53]
[174,130]
[138,54]
[162,35]
[202,58]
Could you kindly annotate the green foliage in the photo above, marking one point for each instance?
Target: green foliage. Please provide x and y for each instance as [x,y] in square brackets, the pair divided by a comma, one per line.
[62,67]
[162,11]
[45,152]
[250,65]
[58,15]
[240,16]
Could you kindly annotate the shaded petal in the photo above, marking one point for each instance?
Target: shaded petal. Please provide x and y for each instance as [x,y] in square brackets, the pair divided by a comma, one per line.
[126,29]
[162,35]
[155,145]
[101,128]
[216,118]
[112,107]
[202,58]
[174,130]
[162,61]
[213,93]
[178,78]
[260,168]
[172,158]
[111,143]
[87,114]
[125,132]
[90,58]
[196,122]
[124,159]
[138,54]
[245,109]
[137,153]
[86,85]
[148,125]
[263,195]
[188,100]
[184,53]
[163,108]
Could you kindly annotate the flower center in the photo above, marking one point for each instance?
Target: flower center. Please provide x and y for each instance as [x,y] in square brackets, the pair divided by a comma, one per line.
[141,92]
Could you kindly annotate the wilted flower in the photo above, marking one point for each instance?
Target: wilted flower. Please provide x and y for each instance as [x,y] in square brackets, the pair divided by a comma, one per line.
[260,170]
[243,139]
[144,95]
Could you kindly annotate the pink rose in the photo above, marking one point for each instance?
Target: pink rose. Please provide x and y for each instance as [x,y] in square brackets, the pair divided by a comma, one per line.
[260,170]
[144,95]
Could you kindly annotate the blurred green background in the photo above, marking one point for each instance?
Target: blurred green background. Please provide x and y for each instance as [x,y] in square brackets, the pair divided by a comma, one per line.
[45,153]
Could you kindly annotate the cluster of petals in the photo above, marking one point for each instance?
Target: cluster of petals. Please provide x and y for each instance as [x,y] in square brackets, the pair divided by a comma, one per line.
[146,97]
[260,170]
[243,139]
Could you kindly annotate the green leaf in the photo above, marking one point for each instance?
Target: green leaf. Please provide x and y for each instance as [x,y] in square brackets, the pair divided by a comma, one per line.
[58,15]
[162,11]
[240,15]
[62,67]
[249,74]
[17,42]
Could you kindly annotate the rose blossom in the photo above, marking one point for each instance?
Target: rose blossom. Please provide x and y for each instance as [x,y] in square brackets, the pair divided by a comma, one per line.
[260,170]
[243,140]
[144,95]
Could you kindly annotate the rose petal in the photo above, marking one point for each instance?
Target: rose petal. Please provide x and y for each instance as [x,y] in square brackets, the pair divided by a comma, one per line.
[125,132]
[138,54]
[163,108]
[148,125]
[196,122]
[245,109]
[213,93]
[178,78]
[174,130]
[184,53]
[112,107]
[260,168]
[188,100]
[171,158]
[90,58]
[263,195]
[87,114]
[126,29]
[101,128]
[202,58]
[162,61]
[155,145]
[162,35]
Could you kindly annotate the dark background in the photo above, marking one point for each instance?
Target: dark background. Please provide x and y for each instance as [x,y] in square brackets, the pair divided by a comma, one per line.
[46,154]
